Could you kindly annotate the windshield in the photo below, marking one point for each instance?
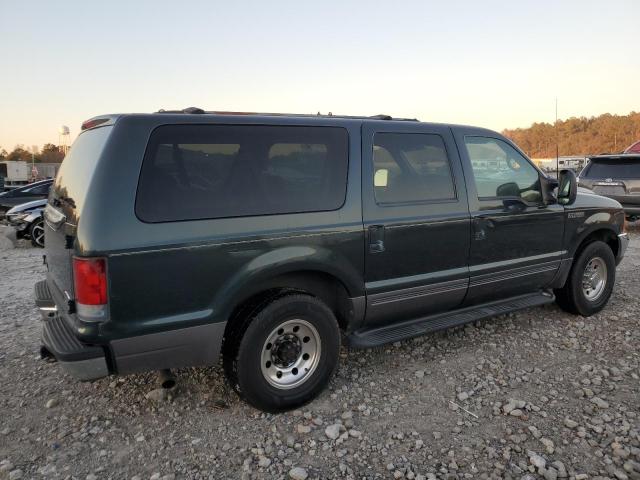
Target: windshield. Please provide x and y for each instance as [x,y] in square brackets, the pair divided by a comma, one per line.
[613,169]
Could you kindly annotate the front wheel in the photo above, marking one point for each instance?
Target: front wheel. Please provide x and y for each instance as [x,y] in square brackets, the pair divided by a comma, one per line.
[285,353]
[590,281]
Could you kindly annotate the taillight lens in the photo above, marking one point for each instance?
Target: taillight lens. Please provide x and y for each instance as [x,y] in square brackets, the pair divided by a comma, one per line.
[90,281]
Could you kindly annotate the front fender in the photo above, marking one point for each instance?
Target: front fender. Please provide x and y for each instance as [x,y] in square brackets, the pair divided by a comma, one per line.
[33,217]
[581,224]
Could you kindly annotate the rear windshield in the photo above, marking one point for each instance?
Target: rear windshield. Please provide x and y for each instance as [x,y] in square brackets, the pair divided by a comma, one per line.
[78,166]
[213,171]
[613,169]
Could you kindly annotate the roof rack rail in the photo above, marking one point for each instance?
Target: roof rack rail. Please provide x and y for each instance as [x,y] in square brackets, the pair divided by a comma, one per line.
[200,111]
[381,116]
[191,110]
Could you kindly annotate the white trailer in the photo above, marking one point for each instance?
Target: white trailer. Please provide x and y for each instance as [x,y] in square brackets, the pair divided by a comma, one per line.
[15,173]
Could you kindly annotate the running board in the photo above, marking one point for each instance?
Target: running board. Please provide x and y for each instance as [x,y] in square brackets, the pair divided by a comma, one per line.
[374,337]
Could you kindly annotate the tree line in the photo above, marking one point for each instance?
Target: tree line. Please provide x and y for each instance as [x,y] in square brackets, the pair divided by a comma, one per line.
[49,153]
[579,136]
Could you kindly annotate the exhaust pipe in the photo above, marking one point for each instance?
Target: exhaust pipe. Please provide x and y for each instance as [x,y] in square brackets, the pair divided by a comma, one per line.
[166,379]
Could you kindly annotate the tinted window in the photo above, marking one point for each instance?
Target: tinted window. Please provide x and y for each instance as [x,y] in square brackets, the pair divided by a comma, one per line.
[215,171]
[500,171]
[411,167]
[613,169]
[76,171]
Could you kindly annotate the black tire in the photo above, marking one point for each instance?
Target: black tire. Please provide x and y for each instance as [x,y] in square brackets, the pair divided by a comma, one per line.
[36,233]
[572,297]
[243,351]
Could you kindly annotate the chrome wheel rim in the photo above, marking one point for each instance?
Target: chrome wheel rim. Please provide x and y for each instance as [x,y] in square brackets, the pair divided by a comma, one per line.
[38,234]
[594,279]
[290,354]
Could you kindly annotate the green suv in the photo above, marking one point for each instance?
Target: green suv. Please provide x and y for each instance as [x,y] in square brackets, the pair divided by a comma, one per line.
[183,238]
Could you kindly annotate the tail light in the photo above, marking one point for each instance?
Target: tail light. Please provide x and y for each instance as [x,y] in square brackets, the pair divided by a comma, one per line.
[90,282]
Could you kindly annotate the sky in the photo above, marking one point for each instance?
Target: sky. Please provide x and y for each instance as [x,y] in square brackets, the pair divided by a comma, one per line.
[496,64]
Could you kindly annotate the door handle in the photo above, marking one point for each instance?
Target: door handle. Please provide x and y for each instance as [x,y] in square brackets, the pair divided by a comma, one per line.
[376,239]
[480,227]
[482,222]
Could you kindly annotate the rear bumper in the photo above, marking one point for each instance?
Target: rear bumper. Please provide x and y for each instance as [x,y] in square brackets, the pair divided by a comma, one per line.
[186,347]
[80,360]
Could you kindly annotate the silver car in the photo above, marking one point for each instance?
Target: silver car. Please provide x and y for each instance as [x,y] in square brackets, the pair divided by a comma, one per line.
[28,221]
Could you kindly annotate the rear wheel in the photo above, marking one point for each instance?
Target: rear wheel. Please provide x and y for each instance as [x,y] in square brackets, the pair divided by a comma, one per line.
[590,281]
[36,232]
[284,354]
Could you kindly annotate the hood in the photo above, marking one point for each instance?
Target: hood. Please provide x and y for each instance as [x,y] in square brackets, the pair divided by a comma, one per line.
[28,206]
[585,198]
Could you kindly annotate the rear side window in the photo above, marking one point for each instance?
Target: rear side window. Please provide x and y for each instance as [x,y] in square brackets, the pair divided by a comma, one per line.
[78,167]
[613,169]
[216,171]
[411,167]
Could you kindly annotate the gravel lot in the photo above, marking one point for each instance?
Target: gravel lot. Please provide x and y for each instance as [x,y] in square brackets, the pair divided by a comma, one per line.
[543,395]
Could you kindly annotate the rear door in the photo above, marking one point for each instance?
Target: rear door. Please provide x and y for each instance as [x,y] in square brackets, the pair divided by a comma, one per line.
[516,240]
[416,220]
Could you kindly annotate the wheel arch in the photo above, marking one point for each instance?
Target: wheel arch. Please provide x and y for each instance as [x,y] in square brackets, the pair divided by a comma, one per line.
[603,234]
[328,287]
[600,233]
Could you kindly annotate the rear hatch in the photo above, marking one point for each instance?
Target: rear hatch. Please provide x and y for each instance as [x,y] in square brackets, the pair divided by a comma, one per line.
[615,176]
[64,211]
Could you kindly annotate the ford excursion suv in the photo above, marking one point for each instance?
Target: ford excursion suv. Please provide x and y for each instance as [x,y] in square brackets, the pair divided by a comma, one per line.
[180,238]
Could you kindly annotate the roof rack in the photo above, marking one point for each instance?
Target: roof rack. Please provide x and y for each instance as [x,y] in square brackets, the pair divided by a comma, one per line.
[200,111]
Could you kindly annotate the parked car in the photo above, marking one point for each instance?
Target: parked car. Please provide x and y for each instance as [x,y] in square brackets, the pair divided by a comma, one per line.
[633,148]
[176,237]
[617,177]
[18,196]
[28,221]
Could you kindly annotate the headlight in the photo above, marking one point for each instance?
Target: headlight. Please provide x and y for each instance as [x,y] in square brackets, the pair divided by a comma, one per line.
[17,217]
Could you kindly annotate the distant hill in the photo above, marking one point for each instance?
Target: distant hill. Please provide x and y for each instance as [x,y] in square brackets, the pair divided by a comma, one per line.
[578,136]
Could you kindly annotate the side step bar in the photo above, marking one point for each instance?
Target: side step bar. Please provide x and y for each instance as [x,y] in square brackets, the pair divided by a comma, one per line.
[374,337]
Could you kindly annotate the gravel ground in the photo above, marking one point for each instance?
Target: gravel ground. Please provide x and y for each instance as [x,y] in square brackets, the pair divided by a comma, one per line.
[539,394]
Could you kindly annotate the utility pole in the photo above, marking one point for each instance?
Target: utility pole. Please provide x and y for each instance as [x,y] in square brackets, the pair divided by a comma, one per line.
[34,149]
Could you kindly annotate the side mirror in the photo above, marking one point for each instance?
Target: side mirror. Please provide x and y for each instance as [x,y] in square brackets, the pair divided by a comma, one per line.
[567,187]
